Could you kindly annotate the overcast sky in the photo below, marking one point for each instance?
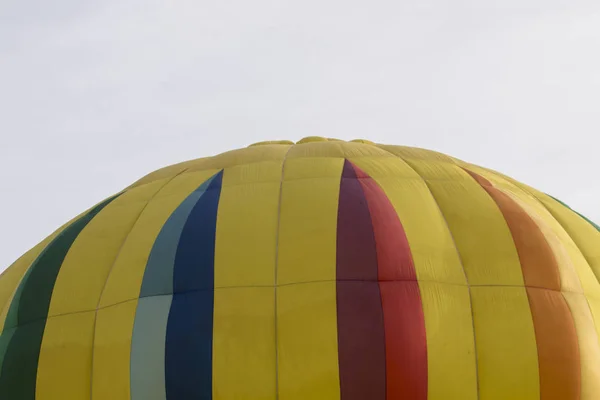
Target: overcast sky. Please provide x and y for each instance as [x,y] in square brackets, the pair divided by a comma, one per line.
[95,94]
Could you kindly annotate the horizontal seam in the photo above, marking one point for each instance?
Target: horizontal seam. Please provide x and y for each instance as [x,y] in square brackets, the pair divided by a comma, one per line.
[283,285]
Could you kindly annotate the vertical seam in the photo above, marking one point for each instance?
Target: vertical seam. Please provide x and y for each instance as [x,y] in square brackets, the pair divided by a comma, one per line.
[50,238]
[459,258]
[523,188]
[110,272]
[535,198]
[276,270]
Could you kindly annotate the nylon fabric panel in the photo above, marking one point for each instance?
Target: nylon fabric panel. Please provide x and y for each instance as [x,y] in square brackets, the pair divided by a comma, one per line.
[361,331]
[558,347]
[572,266]
[306,313]
[149,334]
[220,161]
[566,253]
[480,232]
[244,360]
[308,220]
[556,338]
[344,150]
[589,348]
[188,352]
[244,352]
[85,269]
[489,256]
[5,339]
[452,369]
[506,344]
[13,275]
[452,372]
[79,284]
[405,340]
[584,234]
[66,353]
[307,341]
[29,310]
[19,365]
[158,276]
[416,154]
[125,280]
[248,212]
[112,351]
[573,227]
[405,337]
[581,253]
[148,348]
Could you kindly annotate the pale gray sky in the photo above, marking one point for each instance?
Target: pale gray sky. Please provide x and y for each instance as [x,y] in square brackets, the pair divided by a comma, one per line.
[95,94]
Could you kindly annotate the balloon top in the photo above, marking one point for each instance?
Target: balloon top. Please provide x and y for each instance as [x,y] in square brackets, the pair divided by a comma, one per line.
[309,139]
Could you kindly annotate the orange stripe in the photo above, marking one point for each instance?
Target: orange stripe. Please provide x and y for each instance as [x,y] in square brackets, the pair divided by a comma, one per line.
[556,337]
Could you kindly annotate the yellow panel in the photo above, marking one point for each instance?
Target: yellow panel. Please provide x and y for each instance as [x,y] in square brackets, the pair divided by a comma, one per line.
[504,334]
[306,313]
[265,152]
[88,263]
[308,222]
[336,149]
[452,367]
[244,359]
[126,276]
[247,223]
[414,153]
[589,349]
[249,155]
[65,363]
[431,244]
[506,345]
[11,278]
[112,349]
[572,265]
[594,307]
[307,341]
[573,258]
[481,234]
[447,308]
[164,173]
[584,234]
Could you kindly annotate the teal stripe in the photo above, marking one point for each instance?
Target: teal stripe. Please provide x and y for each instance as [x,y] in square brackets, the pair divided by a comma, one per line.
[147,365]
[148,348]
[158,276]
[28,312]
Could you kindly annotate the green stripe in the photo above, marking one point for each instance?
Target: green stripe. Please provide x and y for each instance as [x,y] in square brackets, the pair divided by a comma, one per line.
[28,311]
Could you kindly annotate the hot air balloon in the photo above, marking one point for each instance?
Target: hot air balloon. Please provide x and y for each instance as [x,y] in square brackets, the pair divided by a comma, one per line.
[320,269]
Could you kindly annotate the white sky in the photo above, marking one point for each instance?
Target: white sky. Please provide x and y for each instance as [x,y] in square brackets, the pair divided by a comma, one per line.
[94,95]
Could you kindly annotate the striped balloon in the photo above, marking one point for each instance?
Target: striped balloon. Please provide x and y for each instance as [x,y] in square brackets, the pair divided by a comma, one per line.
[317,270]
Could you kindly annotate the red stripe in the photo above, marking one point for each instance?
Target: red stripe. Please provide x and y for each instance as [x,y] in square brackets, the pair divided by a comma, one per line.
[556,337]
[381,326]
[361,336]
[406,342]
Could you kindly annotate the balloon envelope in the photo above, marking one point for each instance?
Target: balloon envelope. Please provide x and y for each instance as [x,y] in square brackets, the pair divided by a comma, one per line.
[317,270]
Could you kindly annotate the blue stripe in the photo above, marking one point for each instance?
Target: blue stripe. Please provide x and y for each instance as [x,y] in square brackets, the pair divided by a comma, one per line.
[188,353]
[158,276]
